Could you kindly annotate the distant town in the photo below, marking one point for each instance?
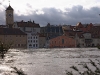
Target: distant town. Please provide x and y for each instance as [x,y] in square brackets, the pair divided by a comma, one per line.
[31,35]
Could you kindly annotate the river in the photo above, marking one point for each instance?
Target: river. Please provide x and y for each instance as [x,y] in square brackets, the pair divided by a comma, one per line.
[47,61]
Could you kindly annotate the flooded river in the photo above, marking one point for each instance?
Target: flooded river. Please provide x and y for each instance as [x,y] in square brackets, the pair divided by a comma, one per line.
[47,61]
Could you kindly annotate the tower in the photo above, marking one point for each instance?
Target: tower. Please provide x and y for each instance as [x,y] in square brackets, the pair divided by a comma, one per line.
[9,16]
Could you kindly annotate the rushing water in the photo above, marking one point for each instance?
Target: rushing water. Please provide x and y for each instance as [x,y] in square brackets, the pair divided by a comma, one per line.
[47,61]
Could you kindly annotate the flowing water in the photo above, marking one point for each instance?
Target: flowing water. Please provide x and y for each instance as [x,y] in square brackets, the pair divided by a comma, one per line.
[47,61]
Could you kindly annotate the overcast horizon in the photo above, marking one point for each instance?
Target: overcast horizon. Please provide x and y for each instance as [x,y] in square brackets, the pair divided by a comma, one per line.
[53,12]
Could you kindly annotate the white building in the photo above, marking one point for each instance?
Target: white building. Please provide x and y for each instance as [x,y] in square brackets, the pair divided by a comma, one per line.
[32,40]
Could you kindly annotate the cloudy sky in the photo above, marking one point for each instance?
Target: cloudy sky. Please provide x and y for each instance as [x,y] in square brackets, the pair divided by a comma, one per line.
[53,11]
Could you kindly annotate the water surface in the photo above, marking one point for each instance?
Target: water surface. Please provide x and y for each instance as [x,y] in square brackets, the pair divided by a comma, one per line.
[47,61]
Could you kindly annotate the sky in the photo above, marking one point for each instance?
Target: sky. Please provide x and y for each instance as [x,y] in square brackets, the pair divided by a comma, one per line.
[55,12]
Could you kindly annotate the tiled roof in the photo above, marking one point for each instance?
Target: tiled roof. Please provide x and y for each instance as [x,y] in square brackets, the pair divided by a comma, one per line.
[9,8]
[11,31]
[93,30]
[27,24]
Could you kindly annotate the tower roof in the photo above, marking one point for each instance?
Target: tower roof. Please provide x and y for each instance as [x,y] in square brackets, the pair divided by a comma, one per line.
[9,8]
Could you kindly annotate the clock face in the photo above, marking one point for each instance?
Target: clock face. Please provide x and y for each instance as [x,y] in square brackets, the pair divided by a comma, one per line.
[10,15]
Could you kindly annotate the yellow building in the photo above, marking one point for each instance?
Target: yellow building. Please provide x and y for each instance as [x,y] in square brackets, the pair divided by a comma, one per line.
[13,36]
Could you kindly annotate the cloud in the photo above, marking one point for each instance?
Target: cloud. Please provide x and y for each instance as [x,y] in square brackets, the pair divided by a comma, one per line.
[78,13]
[48,15]
[56,16]
[1,2]
[2,17]
[29,6]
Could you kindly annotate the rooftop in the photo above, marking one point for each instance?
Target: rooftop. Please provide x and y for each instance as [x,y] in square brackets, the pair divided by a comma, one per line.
[9,8]
[27,24]
[11,31]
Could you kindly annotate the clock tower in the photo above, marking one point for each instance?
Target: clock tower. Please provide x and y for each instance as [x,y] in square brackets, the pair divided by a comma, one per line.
[9,17]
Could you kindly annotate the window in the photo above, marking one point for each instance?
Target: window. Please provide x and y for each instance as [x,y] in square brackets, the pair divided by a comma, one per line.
[36,40]
[36,37]
[33,45]
[62,41]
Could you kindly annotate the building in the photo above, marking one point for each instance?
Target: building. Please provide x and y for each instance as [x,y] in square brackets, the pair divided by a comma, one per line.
[32,40]
[9,16]
[51,31]
[13,36]
[42,41]
[62,41]
[31,29]
[28,26]
[86,35]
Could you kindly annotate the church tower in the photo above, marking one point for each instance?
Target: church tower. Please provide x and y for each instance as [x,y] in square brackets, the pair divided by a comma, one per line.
[9,16]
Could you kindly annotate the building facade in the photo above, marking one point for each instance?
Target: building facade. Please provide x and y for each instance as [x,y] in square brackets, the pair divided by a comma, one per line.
[42,41]
[51,31]
[86,35]
[32,40]
[62,41]
[12,36]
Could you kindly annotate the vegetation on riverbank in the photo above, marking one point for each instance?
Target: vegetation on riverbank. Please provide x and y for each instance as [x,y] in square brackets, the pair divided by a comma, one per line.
[18,71]
[4,49]
[88,70]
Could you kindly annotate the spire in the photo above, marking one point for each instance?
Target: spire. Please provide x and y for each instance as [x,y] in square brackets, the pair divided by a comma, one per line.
[9,2]
[9,7]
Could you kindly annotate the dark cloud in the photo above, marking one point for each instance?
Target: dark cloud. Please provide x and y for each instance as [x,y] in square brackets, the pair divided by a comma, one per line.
[2,17]
[51,15]
[56,16]
[78,13]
